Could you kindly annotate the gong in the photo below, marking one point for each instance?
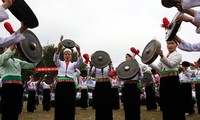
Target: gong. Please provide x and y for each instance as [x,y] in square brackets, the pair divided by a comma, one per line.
[147,78]
[173,28]
[127,70]
[169,3]
[185,64]
[30,48]
[36,76]
[24,14]
[100,59]
[48,79]
[67,43]
[84,72]
[149,52]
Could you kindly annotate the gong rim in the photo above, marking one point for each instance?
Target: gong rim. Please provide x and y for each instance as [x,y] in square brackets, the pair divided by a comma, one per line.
[30,48]
[127,70]
[173,28]
[48,79]
[149,52]
[100,59]
[68,43]
[36,76]
[169,3]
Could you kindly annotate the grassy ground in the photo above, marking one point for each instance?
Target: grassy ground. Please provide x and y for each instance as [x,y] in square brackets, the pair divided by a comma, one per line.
[89,114]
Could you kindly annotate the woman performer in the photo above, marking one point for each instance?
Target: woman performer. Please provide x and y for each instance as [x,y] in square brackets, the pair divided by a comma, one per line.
[84,92]
[32,88]
[115,90]
[150,94]
[102,93]
[170,97]
[46,102]
[131,93]
[186,87]
[197,84]
[65,92]
[12,88]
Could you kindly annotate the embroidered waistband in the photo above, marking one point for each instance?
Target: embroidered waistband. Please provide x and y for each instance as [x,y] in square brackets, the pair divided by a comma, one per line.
[103,79]
[131,81]
[175,73]
[12,82]
[65,79]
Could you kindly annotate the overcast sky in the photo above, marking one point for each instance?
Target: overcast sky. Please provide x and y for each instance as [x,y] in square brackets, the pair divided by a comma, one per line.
[113,26]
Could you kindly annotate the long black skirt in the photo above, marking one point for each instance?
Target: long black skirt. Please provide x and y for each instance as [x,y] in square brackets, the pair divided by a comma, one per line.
[65,101]
[102,100]
[197,90]
[115,98]
[84,98]
[131,101]
[11,101]
[31,103]
[186,92]
[46,100]
[150,98]
[170,98]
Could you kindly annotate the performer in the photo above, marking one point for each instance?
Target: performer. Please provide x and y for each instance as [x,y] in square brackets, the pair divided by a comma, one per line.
[16,36]
[12,88]
[150,94]
[102,93]
[197,84]
[46,102]
[65,93]
[115,90]
[131,93]
[32,88]
[186,88]
[84,92]
[170,97]
[156,81]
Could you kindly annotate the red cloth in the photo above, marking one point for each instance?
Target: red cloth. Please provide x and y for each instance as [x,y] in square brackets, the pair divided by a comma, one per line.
[168,55]
[67,63]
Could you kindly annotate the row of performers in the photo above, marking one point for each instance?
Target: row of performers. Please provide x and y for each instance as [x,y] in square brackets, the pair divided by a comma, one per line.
[65,85]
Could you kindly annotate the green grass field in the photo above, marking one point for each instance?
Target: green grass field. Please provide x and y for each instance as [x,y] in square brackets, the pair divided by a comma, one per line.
[89,114]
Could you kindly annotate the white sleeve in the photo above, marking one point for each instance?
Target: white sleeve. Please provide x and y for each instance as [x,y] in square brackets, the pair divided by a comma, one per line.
[197,16]
[186,4]
[185,46]
[3,14]
[13,39]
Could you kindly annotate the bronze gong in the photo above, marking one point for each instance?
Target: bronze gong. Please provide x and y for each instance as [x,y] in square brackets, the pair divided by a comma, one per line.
[169,3]
[100,59]
[173,28]
[30,48]
[149,52]
[127,70]
[48,79]
[84,72]
[36,76]
[147,78]
[67,43]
